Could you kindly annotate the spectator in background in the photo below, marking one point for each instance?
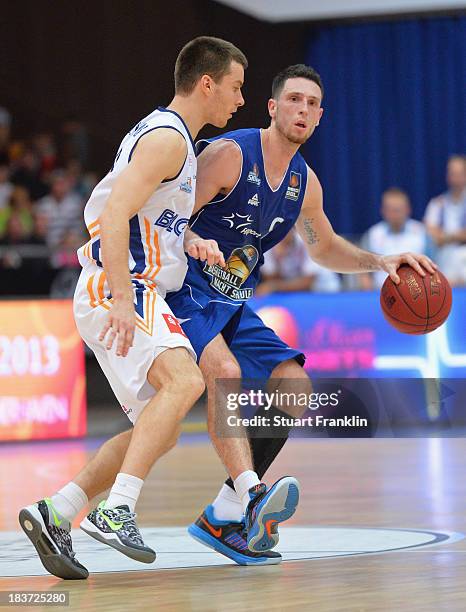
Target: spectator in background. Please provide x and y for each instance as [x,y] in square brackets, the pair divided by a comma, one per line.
[288,267]
[445,219]
[396,233]
[39,232]
[63,210]
[28,174]
[19,208]
[16,234]
[75,138]
[45,149]
[5,123]
[6,189]
[81,184]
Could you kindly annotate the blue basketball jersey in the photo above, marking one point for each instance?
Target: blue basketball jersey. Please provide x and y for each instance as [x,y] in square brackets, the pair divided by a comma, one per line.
[247,222]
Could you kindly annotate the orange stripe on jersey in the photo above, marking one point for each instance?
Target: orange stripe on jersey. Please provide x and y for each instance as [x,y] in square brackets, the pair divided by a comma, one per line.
[93,224]
[149,248]
[100,286]
[90,291]
[147,324]
[157,255]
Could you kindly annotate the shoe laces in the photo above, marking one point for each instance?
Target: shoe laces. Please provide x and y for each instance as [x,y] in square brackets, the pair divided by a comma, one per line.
[122,516]
[64,535]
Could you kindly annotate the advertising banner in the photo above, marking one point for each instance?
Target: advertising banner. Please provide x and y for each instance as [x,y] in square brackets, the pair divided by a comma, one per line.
[42,378]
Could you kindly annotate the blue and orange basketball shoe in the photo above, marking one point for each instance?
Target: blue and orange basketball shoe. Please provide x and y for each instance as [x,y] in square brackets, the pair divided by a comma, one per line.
[229,539]
[267,509]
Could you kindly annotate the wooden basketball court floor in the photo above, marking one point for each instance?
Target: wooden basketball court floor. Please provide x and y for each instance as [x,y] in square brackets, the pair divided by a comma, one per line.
[379,527]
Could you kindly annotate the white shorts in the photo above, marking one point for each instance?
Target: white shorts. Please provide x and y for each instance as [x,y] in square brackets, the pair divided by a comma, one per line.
[157,329]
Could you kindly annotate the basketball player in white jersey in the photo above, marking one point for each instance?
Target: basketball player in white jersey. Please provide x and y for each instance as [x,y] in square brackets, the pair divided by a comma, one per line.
[136,218]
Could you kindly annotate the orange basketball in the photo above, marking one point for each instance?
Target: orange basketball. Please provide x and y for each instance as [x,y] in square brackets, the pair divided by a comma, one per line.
[419,304]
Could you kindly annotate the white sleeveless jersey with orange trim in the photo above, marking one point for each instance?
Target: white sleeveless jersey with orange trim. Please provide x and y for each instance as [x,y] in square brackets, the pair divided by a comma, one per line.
[156,257]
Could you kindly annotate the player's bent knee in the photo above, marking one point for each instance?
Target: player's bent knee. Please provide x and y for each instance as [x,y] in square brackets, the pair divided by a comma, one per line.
[227,368]
[195,384]
[289,378]
[289,369]
[176,370]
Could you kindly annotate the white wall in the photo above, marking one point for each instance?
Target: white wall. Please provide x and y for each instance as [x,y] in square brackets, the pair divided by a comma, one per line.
[295,10]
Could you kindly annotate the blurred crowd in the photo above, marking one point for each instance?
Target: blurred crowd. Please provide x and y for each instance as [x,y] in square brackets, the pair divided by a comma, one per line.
[441,235]
[44,184]
[46,181]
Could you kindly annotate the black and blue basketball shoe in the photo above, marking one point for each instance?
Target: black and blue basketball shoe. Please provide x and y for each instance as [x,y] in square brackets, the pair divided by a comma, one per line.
[229,538]
[267,509]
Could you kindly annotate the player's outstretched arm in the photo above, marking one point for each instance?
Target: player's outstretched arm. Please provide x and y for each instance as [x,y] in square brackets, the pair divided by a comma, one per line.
[158,155]
[218,171]
[334,252]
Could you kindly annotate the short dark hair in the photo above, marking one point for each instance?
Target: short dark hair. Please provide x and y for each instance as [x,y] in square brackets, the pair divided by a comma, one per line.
[205,55]
[457,157]
[293,72]
[396,191]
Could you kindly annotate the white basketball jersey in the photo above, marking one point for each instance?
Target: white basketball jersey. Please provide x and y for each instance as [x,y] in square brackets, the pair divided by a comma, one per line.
[156,256]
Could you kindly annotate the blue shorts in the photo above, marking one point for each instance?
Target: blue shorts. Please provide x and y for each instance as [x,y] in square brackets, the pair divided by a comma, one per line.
[257,348]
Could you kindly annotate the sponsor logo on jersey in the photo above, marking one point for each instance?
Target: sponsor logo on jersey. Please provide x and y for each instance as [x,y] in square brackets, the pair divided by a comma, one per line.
[126,410]
[241,223]
[229,280]
[187,185]
[173,324]
[253,176]
[138,128]
[171,221]
[254,201]
[294,186]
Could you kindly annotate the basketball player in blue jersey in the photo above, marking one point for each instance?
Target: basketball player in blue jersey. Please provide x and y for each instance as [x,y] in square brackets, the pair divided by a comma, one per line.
[253,187]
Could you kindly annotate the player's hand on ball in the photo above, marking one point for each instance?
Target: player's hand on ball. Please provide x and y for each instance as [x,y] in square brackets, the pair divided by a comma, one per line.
[206,250]
[420,263]
[120,322]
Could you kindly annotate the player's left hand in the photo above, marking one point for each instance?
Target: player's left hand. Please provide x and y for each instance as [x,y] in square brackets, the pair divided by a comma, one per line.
[420,263]
[206,250]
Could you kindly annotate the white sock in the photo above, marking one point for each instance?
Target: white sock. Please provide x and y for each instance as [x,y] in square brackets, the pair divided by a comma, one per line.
[227,505]
[69,501]
[125,491]
[243,483]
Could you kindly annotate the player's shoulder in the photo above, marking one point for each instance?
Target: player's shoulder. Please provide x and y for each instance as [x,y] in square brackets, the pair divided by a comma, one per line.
[164,138]
[230,140]
[221,151]
[242,135]
[313,183]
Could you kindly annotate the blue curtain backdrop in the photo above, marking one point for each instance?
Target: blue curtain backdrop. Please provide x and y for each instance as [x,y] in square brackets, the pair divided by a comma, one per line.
[395,109]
